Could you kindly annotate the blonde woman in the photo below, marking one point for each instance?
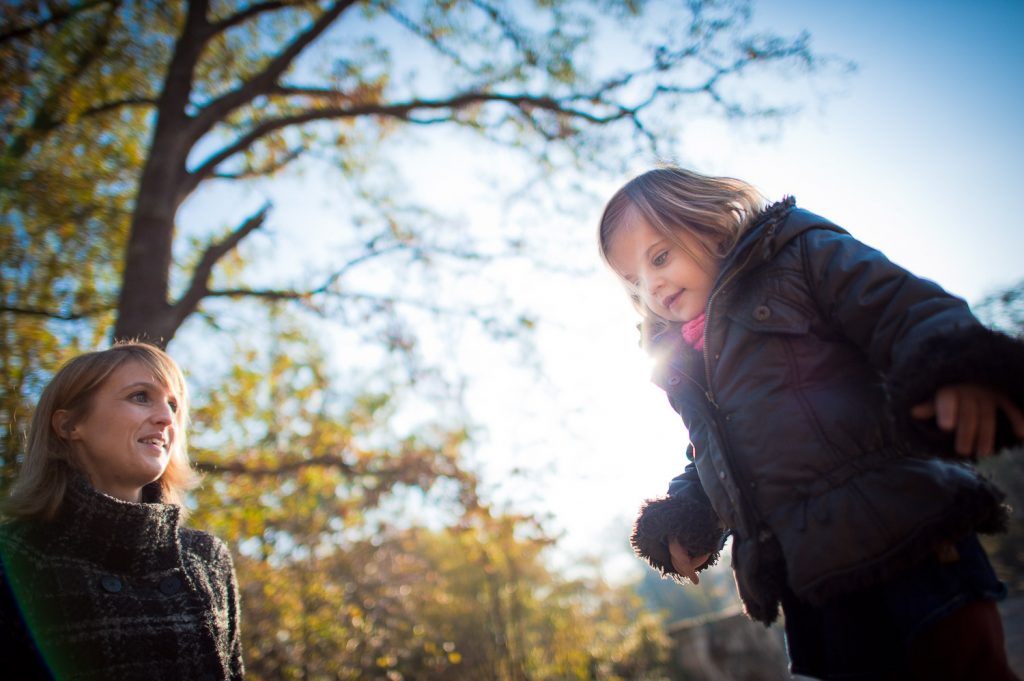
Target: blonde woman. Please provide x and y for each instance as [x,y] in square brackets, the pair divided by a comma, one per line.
[98,577]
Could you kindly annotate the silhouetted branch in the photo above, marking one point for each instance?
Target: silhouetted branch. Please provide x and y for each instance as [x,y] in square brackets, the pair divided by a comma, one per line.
[217,110]
[60,316]
[199,285]
[54,18]
[233,467]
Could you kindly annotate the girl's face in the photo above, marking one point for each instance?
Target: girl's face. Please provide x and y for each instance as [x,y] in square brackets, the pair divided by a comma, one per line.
[671,283]
[126,439]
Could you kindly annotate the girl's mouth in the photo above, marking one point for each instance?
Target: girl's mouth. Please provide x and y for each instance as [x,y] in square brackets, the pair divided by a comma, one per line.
[667,303]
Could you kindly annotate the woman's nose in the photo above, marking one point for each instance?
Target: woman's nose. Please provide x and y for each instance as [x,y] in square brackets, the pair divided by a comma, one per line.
[163,413]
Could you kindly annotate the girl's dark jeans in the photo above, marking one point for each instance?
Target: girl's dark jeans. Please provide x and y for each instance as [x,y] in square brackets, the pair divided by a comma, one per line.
[937,621]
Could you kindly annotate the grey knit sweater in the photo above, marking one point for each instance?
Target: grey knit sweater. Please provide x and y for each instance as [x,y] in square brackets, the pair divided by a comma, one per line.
[116,590]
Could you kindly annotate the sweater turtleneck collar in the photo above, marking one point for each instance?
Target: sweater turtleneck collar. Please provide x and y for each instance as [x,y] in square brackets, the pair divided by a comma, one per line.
[120,535]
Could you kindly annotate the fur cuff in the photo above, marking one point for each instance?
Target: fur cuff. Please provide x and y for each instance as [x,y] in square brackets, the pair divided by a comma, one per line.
[693,524]
[972,355]
[760,571]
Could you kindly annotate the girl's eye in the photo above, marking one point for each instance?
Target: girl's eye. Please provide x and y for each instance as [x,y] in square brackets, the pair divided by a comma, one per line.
[660,259]
[173,405]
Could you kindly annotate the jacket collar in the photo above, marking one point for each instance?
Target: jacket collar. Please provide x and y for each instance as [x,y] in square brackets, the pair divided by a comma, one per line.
[766,233]
[772,228]
[118,535]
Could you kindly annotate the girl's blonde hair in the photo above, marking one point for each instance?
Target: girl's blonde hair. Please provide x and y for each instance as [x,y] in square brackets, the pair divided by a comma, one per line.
[49,462]
[715,211]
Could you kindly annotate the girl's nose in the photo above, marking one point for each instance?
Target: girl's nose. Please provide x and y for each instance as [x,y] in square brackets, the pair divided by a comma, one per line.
[651,284]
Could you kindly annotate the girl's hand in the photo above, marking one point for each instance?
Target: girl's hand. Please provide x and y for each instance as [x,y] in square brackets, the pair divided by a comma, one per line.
[683,563]
[970,410]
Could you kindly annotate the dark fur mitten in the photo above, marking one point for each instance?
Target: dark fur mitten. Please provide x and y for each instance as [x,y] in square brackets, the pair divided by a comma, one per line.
[695,525]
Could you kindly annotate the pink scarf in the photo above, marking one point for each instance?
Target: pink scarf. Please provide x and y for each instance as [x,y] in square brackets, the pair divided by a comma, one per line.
[693,332]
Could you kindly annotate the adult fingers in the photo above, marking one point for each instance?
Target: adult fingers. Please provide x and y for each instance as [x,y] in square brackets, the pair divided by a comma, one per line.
[986,427]
[925,410]
[1014,414]
[947,403]
[966,426]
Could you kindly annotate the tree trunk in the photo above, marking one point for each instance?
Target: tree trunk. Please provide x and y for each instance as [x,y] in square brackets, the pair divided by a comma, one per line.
[143,309]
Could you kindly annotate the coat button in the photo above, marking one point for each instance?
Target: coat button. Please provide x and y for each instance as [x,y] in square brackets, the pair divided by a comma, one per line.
[111,584]
[170,585]
[673,380]
[721,475]
[762,312]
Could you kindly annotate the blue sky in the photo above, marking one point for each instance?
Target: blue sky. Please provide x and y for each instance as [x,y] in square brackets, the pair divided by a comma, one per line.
[924,155]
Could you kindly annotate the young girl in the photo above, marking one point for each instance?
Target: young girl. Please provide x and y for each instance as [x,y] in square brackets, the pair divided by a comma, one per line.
[831,398]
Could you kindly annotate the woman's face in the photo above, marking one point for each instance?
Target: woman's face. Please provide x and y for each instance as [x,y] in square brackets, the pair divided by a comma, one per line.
[125,440]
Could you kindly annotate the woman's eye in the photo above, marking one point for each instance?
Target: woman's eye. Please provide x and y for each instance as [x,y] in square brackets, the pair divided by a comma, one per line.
[173,404]
[660,259]
[139,397]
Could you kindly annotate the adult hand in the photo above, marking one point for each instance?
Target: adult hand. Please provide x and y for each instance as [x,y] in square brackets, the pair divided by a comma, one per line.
[685,565]
[970,410]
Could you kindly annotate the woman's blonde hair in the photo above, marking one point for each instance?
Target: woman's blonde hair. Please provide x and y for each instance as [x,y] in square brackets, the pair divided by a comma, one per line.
[715,211]
[42,480]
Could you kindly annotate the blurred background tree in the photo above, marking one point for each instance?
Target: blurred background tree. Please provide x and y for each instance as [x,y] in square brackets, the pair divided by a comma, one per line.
[1004,310]
[334,452]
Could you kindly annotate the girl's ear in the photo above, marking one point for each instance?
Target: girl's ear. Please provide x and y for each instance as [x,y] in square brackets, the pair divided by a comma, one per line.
[62,424]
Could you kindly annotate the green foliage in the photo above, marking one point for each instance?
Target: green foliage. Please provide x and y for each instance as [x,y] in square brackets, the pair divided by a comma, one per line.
[67,169]
[1004,310]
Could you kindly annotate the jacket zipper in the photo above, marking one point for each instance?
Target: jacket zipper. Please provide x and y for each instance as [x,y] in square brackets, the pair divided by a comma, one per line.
[707,325]
[745,508]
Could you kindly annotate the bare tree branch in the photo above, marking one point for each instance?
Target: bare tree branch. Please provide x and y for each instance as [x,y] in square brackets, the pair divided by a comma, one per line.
[379,300]
[435,42]
[263,81]
[403,111]
[265,170]
[248,13]
[327,461]
[117,104]
[306,91]
[61,316]
[54,18]
[329,282]
[199,285]
[508,27]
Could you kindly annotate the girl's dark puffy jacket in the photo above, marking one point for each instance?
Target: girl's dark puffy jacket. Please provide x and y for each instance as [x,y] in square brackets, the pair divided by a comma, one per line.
[816,346]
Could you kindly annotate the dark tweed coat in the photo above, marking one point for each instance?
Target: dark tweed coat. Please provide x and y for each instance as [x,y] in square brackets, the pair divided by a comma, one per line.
[117,590]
